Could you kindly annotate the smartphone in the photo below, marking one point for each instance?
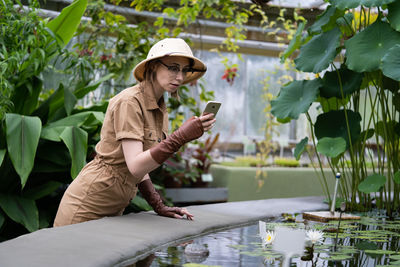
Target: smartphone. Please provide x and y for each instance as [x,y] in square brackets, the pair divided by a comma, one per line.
[212,107]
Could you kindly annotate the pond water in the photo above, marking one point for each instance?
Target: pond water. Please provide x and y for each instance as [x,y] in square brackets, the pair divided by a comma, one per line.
[367,242]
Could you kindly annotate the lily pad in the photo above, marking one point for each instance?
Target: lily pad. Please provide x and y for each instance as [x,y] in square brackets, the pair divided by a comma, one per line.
[331,147]
[366,49]
[391,63]
[295,98]
[394,15]
[349,80]
[339,257]
[365,245]
[327,20]
[380,252]
[345,4]
[372,183]
[319,52]
[333,124]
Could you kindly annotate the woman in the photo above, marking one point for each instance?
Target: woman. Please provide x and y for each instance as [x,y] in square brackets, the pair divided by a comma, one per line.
[134,139]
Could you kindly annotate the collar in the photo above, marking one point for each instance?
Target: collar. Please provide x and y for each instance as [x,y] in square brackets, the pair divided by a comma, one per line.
[150,99]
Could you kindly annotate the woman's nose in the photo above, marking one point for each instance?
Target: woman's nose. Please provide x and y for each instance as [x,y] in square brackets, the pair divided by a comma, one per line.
[179,76]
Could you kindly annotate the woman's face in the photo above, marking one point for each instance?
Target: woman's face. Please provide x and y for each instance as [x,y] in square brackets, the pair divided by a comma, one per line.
[169,73]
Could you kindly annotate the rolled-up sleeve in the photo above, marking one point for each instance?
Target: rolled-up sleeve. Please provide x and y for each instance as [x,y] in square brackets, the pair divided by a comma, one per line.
[128,120]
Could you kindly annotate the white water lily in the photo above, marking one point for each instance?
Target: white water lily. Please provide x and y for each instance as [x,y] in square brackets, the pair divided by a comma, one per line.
[270,237]
[267,237]
[314,236]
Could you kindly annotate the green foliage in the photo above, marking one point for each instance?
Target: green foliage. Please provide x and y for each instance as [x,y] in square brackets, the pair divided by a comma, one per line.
[286,162]
[359,101]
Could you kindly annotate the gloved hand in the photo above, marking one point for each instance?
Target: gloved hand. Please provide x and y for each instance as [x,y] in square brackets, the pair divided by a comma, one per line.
[190,130]
[149,193]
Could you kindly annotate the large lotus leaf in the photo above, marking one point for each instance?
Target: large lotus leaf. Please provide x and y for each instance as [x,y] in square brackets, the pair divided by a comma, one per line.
[21,210]
[22,134]
[294,43]
[333,124]
[295,98]
[300,147]
[331,147]
[332,103]
[386,130]
[76,141]
[350,81]
[391,63]
[390,84]
[366,49]
[347,4]
[326,21]
[372,183]
[319,52]
[394,15]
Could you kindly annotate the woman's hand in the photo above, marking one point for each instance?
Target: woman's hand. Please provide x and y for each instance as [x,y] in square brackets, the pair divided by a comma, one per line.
[208,121]
[175,212]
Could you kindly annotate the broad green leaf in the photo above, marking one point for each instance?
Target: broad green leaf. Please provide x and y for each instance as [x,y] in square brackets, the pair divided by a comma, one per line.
[69,101]
[300,147]
[396,177]
[295,98]
[331,147]
[327,20]
[41,190]
[367,134]
[25,97]
[21,210]
[68,21]
[52,133]
[284,120]
[319,52]
[349,80]
[386,130]
[333,124]
[347,4]
[23,133]
[295,43]
[2,154]
[372,183]
[76,141]
[140,203]
[366,245]
[391,63]
[394,15]
[332,103]
[390,84]
[79,119]
[366,49]
[82,91]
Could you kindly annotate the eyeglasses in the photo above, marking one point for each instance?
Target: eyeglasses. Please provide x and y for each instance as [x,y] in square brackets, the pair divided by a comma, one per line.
[176,69]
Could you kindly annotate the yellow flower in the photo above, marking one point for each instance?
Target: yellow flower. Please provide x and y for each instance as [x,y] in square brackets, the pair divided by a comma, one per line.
[270,237]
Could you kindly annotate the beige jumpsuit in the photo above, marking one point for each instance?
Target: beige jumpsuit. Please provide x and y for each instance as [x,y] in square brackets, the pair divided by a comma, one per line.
[104,187]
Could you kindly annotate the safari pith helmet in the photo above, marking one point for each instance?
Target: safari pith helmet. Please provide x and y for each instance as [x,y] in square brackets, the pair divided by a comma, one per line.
[173,47]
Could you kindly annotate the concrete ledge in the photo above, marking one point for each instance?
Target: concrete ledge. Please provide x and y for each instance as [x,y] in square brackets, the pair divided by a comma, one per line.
[119,241]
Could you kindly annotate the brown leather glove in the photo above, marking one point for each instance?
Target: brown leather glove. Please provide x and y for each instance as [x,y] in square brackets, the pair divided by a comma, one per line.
[190,130]
[154,199]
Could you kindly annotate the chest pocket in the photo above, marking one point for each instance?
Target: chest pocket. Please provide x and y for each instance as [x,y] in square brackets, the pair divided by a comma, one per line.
[150,138]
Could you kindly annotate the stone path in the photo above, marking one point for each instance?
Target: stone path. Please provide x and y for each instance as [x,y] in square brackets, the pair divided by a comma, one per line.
[120,241]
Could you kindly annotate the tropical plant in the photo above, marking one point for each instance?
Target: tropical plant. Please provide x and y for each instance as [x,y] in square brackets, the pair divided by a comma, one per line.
[44,137]
[353,50]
